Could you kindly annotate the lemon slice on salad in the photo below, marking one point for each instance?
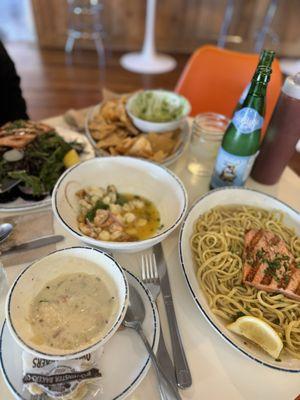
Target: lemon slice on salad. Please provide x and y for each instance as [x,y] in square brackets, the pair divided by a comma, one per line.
[71,158]
[259,332]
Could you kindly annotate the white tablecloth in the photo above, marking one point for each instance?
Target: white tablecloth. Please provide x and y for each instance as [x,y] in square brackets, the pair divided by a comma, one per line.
[218,371]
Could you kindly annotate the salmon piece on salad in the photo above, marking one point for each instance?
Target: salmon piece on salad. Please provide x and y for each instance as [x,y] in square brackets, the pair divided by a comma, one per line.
[269,265]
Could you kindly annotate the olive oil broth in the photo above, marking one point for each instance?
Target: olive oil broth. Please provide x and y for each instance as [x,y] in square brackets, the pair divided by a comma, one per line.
[106,214]
[149,212]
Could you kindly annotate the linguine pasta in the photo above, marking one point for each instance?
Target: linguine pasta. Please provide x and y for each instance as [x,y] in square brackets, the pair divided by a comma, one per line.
[217,244]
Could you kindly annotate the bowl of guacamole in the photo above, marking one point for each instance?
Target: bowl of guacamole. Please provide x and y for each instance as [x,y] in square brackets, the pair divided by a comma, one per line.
[157,110]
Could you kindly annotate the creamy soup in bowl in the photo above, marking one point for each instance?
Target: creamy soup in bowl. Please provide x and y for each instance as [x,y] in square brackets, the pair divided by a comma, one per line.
[68,303]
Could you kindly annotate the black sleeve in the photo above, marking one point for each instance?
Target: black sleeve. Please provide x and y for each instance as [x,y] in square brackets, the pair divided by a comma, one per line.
[12,104]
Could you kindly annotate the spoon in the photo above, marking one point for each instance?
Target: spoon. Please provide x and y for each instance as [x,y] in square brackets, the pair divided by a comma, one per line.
[134,318]
[5,231]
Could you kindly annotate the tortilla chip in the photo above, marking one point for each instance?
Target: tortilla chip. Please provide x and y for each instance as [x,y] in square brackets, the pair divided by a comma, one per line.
[159,156]
[111,140]
[141,148]
[124,145]
[115,133]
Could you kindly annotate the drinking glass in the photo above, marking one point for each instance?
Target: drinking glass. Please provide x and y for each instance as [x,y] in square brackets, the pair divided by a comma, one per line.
[207,132]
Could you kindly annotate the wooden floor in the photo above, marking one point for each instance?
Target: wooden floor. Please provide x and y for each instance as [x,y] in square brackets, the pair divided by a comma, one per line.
[52,83]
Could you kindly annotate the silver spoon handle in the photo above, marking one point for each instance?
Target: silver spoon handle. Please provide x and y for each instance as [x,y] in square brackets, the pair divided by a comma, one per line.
[166,388]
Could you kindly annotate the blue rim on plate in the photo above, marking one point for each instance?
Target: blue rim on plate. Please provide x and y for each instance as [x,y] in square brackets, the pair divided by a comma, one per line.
[205,314]
[142,372]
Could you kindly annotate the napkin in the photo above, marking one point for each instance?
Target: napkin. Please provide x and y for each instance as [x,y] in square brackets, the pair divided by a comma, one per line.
[26,228]
[76,119]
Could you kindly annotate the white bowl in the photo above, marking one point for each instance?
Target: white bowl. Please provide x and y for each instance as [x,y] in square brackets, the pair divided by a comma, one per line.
[129,175]
[35,277]
[150,126]
[223,197]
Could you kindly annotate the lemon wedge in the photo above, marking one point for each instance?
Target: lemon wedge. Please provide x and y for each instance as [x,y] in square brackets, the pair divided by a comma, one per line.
[259,332]
[71,158]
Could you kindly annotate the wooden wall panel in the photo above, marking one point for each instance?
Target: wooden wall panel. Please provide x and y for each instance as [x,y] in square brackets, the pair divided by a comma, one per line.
[181,25]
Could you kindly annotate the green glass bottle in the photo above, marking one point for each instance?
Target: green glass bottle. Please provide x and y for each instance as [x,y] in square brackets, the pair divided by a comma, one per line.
[265,61]
[241,140]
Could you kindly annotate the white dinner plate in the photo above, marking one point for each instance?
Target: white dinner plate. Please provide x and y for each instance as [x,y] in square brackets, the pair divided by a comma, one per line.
[124,362]
[185,137]
[26,205]
[232,196]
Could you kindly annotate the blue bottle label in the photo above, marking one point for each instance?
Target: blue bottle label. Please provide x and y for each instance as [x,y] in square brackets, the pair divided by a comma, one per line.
[247,120]
[231,170]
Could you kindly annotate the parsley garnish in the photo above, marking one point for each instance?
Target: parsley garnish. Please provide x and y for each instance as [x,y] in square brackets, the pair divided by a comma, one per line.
[239,314]
[286,279]
[90,215]
[260,253]
[121,199]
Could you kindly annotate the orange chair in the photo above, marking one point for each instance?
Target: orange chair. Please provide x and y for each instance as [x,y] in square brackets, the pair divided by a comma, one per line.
[214,79]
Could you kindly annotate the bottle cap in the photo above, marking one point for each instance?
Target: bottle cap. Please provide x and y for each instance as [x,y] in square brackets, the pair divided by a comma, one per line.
[291,86]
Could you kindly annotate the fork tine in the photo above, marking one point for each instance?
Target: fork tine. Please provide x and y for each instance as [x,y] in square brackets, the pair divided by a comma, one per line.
[151,267]
[143,268]
[154,266]
[148,276]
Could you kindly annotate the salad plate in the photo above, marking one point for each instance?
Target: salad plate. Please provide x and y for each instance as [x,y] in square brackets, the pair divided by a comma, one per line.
[124,362]
[20,204]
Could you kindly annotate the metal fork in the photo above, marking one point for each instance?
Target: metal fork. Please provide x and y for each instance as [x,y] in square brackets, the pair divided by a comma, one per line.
[151,280]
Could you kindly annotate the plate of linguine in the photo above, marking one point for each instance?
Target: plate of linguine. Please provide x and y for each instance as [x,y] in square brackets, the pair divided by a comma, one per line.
[215,261]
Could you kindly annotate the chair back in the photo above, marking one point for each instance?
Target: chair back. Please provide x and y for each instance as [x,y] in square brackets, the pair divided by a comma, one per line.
[214,79]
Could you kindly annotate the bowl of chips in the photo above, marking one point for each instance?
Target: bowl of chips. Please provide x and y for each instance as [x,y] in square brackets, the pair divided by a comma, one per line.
[157,110]
[111,132]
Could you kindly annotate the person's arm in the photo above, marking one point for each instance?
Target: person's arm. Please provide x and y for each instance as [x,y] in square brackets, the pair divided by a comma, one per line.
[12,103]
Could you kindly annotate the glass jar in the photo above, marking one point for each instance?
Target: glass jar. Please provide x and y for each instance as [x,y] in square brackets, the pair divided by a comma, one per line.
[207,132]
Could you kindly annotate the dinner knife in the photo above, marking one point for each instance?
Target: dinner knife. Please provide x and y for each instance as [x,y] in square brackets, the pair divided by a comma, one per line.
[182,372]
[34,244]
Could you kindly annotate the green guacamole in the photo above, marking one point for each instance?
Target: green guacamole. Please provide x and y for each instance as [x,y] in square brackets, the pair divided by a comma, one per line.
[158,106]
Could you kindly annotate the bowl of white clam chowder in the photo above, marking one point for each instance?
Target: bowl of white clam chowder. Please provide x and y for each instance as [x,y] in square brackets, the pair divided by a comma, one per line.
[67,304]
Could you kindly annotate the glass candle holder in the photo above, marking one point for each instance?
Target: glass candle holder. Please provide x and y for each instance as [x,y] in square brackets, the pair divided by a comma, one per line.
[207,133]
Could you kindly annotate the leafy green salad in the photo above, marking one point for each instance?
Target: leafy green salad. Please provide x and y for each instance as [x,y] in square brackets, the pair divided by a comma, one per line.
[32,154]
